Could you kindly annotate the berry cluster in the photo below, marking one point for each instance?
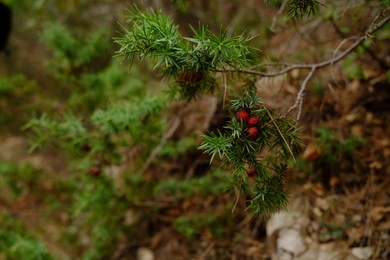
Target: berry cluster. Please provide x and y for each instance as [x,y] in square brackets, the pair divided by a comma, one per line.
[252,124]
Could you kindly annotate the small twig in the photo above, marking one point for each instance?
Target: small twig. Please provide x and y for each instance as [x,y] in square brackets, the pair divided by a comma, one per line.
[374,26]
[206,251]
[237,199]
[270,64]
[280,11]
[335,53]
[174,125]
[299,101]
[371,29]
[273,121]
[225,88]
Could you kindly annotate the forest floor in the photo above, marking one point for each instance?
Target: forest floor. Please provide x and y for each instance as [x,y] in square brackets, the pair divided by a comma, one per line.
[339,208]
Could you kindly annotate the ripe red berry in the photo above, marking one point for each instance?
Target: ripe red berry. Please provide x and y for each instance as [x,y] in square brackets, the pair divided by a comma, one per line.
[94,171]
[243,115]
[253,132]
[254,121]
[251,171]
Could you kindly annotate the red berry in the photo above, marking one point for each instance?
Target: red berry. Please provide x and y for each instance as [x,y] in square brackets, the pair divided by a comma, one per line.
[243,115]
[94,171]
[251,171]
[253,132]
[254,121]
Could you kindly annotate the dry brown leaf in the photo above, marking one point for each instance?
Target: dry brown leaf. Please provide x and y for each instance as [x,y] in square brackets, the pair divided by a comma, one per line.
[318,189]
[355,234]
[351,117]
[312,152]
[322,204]
[384,226]
[369,117]
[334,181]
[378,213]
[357,130]
[376,165]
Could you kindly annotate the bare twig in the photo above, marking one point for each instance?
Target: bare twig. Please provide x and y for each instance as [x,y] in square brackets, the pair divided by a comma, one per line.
[280,11]
[237,199]
[374,26]
[378,22]
[174,125]
[206,251]
[335,53]
[299,101]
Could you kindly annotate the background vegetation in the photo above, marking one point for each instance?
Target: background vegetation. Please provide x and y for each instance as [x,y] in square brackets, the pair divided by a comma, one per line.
[99,160]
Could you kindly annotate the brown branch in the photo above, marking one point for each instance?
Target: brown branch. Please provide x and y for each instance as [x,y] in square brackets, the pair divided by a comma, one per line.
[173,127]
[372,29]
[299,101]
[374,26]
[274,19]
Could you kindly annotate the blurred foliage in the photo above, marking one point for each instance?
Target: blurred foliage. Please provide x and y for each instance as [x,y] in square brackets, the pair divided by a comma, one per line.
[105,116]
[18,96]
[191,226]
[93,199]
[213,183]
[74,53]
[331,153]
[18,179]
[16,243]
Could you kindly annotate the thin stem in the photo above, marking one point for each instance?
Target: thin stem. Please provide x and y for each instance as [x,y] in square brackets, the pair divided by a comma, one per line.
[273,121]
[302,90]
[274,19]
[225,89]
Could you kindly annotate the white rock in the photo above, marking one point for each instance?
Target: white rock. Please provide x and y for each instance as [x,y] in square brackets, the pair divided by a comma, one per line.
[290,240]
[276,222]
[144,253]
[285,219]
[362,252]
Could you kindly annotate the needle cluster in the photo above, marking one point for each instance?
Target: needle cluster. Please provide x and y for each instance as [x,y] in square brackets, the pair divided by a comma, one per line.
[191,61]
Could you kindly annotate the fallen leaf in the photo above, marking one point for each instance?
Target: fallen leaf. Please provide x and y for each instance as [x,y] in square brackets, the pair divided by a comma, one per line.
[352,117]
[355,234]
[384,226]
[376,165]
[377,213]
[312,152]
[322,204]
[357,130]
